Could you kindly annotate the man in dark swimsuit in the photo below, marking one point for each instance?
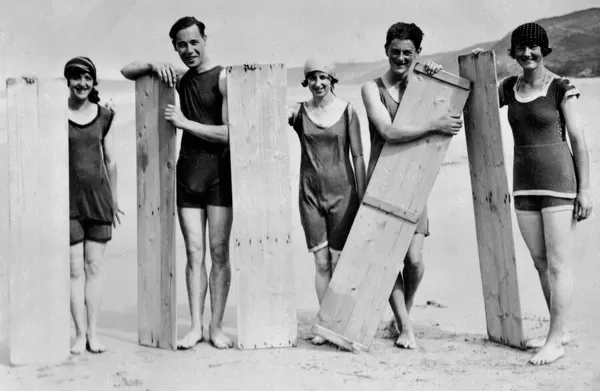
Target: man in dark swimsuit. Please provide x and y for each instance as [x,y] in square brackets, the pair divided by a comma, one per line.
[203,172]
[382,97]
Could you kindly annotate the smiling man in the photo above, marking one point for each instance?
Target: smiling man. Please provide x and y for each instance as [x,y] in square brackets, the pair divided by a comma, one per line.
[382,98]
[203,172]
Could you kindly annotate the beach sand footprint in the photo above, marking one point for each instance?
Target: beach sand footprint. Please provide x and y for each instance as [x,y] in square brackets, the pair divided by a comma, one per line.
[121,379]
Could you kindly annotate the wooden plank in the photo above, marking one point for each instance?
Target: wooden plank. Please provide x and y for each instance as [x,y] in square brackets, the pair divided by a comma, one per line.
[445,77]
[38,161]
[4,240]
[491,201]
[404,176]
[262,206]
[395,210]
[156,148]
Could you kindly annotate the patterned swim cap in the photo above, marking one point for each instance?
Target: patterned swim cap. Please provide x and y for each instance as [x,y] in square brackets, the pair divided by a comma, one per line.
[529,34]
[81,64]
[315,64]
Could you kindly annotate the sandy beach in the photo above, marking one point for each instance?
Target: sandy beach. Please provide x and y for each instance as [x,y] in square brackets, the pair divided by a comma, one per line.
[454,352]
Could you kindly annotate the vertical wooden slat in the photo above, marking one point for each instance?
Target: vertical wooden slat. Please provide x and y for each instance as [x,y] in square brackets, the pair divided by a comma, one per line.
[261,232]
[4,239]
[402,179]
[491,201]
[156,147]
[39,221]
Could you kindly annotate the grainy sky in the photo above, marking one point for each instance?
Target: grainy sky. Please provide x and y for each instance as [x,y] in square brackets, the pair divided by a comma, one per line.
[41,35]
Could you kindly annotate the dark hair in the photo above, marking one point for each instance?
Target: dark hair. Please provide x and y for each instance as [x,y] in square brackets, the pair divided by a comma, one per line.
[404,31]
[93,96]
[529,34]
[183,23]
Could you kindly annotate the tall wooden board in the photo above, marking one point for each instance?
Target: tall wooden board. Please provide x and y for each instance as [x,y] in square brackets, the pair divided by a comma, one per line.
[386,220]
[38,159]
[4,240]
[261,250]
[491,201]
[156,148]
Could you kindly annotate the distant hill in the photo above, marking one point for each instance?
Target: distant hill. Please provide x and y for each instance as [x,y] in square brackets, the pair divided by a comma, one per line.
[574,38]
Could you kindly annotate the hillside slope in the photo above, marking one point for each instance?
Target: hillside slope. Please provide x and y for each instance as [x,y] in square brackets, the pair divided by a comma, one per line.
[574,38]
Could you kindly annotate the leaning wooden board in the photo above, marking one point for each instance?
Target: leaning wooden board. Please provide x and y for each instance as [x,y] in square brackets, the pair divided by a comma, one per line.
[261,251]
[38,185]
[491,202]
[156,147]
[386,221]
[4,239]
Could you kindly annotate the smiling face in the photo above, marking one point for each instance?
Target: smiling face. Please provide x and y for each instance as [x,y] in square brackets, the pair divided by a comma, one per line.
[80,84]
[319,83]
[190,45]
[401,53]
[529,57]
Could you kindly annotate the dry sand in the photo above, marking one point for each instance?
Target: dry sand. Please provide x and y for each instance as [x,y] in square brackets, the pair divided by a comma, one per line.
[454,350]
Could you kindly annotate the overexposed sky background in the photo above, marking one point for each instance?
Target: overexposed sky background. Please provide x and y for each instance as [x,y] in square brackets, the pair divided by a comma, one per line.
[39,36]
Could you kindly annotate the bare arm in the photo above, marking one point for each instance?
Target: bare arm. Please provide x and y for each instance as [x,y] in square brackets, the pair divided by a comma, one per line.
[167,73]
[212,133]
[390,132]
[583,207]
[357,153]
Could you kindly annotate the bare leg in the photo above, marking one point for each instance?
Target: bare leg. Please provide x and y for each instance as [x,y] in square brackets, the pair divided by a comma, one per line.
[559,232]
[93,292]
[323,271]
[414,269]
[78,298]
[193,223]
[401,295]
[532,229]
[219,231]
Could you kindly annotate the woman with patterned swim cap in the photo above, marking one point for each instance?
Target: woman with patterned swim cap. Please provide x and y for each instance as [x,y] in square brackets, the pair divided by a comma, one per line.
[551,185]
[92,196]
[330,185]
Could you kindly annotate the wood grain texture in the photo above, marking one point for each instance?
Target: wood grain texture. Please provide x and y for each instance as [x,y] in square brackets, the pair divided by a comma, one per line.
[261,232]
[38,161]
[156,148]
[4,239]
[404,176]
[491,201]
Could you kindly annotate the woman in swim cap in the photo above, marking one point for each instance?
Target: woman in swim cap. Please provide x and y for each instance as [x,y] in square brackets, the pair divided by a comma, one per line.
[331,186]
[551,185]
[93,197]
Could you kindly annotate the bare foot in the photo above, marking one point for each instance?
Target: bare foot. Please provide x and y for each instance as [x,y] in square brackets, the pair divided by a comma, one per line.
[390,331]
[537,343]
[219,339]
[79,345]
[548,354]
[407,340]
[317,340]
[191,339]
[94,346]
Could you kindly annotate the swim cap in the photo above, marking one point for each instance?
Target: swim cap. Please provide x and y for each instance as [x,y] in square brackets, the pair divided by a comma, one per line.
[315,64]
[530,34]
[82,64]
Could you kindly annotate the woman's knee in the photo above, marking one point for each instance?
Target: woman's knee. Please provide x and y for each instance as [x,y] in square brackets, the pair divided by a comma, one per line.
[323,262]
[76,261]
[414,259]
[92,266]
[558,261]
[219,252]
